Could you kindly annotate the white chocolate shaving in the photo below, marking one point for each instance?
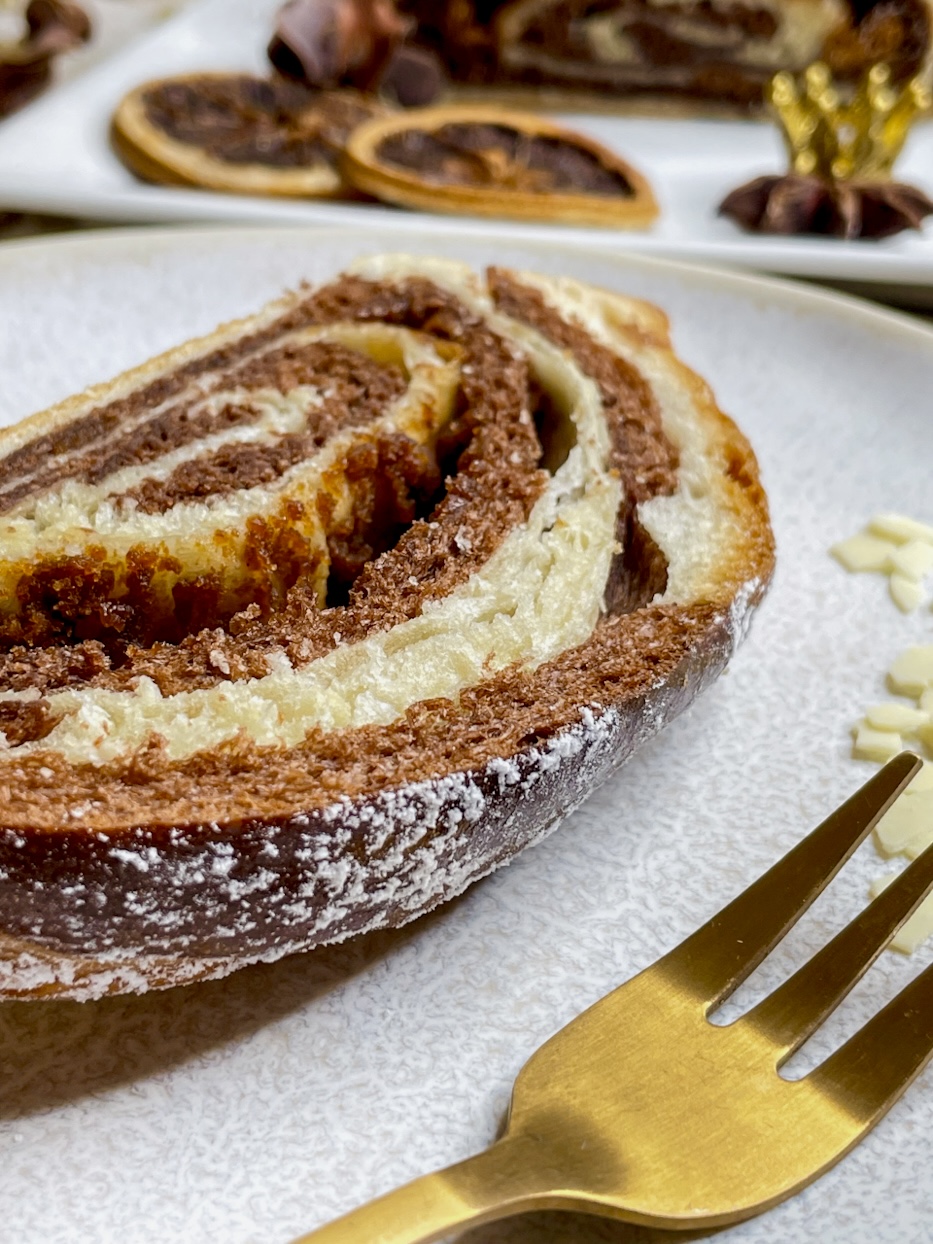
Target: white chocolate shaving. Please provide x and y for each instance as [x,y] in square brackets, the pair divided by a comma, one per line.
[906,593]
[907,826]
[921,781]
[864,553]
[902,548]
[913,560]
[878,745]
[894,545]
[899,528]
[912,672]
[895,716]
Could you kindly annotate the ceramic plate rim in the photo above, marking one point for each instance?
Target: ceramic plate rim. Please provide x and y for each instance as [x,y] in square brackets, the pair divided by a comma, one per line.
[785,288]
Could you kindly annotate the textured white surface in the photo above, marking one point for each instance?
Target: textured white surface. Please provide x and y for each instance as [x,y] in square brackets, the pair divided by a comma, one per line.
[249,1109]
[55,157]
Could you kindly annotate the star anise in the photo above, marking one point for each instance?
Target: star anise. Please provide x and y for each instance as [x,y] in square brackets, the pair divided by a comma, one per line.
[807,204]
[52,27]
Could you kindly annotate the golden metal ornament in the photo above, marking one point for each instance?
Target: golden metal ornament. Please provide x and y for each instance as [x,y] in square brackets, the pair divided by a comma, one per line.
[642,1110]
[845,136]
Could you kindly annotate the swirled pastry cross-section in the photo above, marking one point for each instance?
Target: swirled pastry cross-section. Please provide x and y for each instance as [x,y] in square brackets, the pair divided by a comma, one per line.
[313,622]
[184,499]
[538,594]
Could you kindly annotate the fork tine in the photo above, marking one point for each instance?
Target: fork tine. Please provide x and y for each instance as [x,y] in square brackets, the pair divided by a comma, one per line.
[796,1009]
[868,1074]
[714,960]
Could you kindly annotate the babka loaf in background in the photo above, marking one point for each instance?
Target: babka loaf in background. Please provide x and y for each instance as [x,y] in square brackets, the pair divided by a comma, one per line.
[723,51]
[311,623]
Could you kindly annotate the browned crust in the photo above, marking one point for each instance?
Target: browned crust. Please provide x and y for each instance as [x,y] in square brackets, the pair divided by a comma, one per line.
[158,891]
[364,169]
[393,820]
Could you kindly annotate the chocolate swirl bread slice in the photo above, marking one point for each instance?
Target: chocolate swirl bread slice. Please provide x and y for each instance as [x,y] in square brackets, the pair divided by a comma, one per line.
[528,538]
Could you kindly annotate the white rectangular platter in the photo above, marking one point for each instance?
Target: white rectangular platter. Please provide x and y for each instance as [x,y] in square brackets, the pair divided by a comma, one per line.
[55,157]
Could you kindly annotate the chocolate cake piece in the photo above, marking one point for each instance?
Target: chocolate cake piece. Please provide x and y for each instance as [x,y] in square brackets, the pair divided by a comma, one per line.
[530,538]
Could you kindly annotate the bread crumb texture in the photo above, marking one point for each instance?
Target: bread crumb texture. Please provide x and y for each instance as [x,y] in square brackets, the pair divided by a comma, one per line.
[310,623]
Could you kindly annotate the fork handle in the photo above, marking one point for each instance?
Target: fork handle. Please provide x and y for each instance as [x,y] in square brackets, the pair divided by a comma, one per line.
[502,1180]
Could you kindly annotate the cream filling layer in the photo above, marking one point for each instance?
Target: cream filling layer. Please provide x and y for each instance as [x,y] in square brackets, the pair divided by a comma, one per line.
[692,526]
[539,594]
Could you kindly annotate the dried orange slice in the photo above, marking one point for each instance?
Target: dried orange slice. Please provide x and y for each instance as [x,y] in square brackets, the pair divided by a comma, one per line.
[491,162]
[239,133]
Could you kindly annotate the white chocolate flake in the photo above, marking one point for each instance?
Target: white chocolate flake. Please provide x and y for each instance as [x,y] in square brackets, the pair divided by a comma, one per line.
[902,548]
[864,553]
[913,560]
[906,593]
[894,545]
[912,672]
[878,745]
[899,528]
[895,716]
[907,826]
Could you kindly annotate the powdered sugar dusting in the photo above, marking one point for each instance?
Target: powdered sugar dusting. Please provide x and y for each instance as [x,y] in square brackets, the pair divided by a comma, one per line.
[360,866]
[347,869]
[742,609]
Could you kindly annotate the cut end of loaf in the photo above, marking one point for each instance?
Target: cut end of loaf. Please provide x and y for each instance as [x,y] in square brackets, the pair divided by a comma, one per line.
[520,537]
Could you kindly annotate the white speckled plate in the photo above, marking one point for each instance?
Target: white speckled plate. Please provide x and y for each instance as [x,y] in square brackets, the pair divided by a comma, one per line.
[250,1109]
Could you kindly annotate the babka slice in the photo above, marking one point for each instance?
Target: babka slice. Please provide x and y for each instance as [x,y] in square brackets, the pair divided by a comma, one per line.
[528,538]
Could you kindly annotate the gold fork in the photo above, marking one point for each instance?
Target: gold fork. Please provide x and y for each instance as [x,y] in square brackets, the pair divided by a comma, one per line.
[642,1110]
